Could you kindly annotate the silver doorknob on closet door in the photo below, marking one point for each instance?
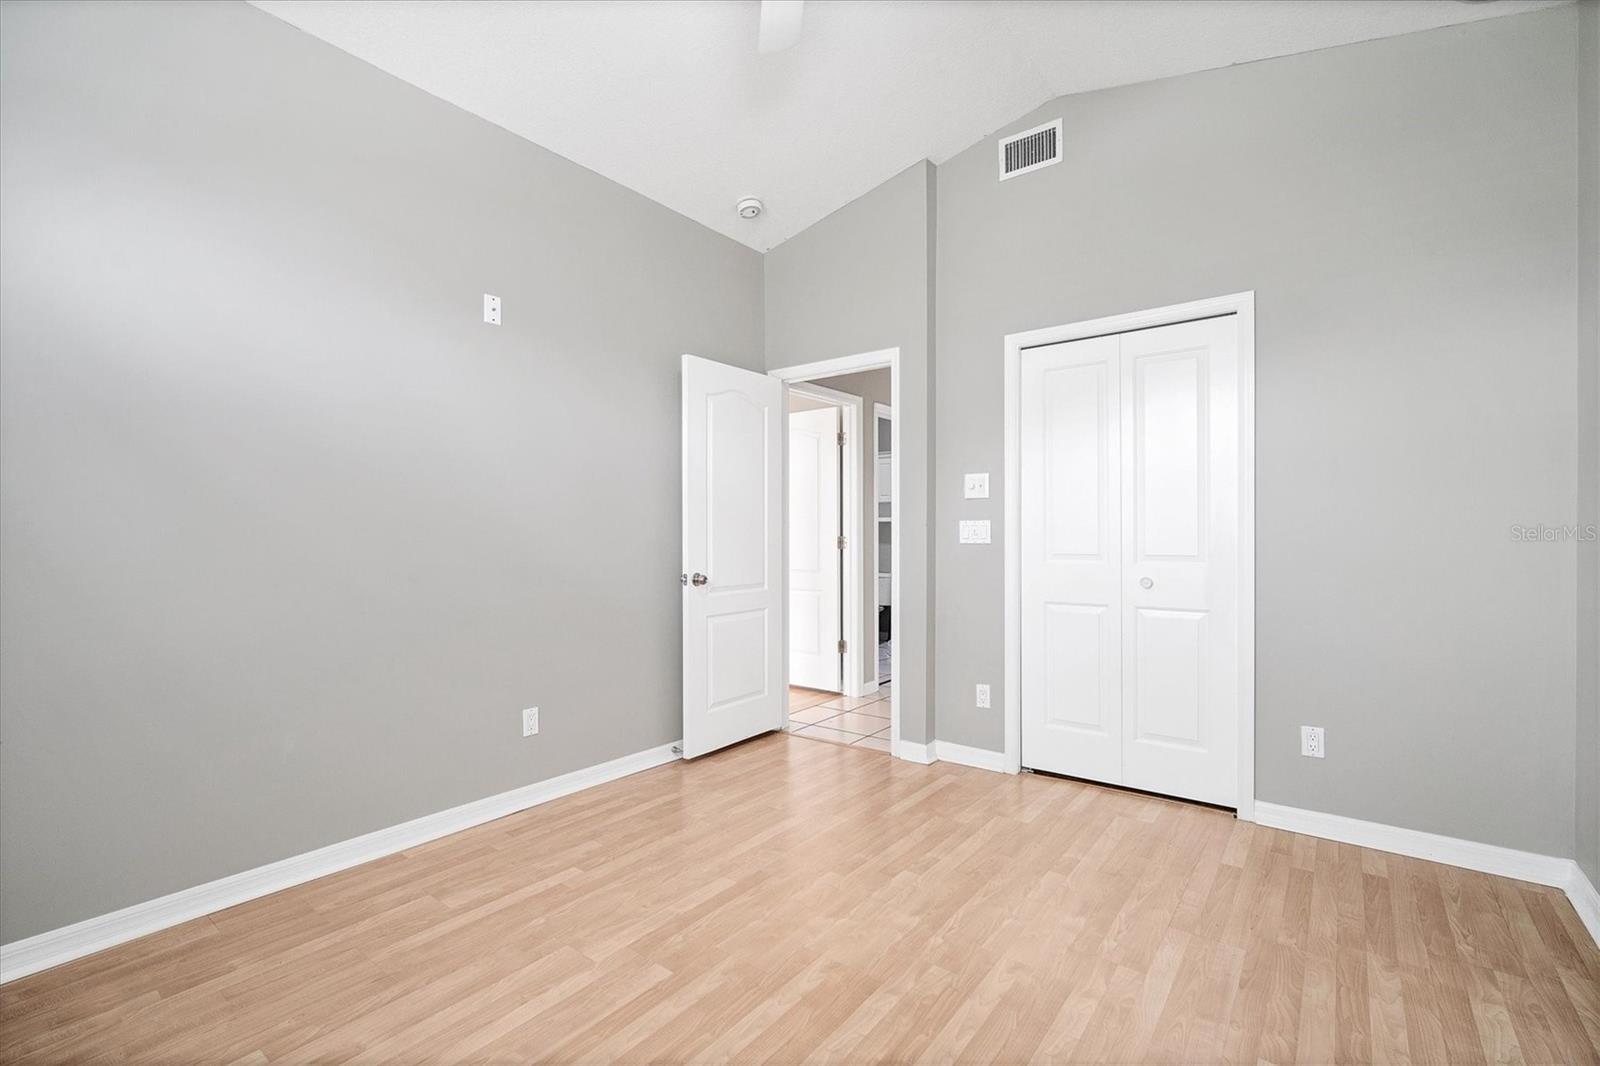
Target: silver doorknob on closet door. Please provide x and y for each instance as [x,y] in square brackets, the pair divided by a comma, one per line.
[699,579]
[1146,583]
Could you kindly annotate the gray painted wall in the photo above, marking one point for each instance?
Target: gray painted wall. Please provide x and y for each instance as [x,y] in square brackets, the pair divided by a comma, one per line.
[872,386]
[283,518]
[1404,211]
[859,281]
[1588,737]
[289,535]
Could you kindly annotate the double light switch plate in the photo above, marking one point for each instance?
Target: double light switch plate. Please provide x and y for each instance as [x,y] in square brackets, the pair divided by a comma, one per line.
[974,531]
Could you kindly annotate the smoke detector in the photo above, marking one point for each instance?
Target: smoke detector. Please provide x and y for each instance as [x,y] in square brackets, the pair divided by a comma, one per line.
[749,207]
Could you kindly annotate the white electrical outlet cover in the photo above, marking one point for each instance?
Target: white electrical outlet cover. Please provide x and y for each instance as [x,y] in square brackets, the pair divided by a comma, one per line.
[491,309]
[975,486]
[983,697]
[530,721]
[1312,742]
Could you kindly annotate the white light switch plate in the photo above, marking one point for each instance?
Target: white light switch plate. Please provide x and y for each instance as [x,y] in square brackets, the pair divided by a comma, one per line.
[975,487]
[491,309]
[974,531]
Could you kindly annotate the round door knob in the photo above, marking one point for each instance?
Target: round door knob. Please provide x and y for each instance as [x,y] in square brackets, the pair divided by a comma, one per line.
[699,579]
[1146,583]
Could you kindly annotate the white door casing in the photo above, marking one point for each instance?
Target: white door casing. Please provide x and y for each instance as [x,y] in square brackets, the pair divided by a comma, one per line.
[1129,559]
[814,552]
[732,555]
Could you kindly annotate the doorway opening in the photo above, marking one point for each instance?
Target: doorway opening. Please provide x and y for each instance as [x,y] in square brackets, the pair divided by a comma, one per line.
[840,480]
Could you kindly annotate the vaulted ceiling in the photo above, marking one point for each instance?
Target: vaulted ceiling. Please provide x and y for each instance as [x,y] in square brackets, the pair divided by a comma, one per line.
[673,100]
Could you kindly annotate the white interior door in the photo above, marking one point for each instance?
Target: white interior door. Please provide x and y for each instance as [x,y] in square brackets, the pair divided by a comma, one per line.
[1130,535]
[814,563]
[1072,560]
[732,555]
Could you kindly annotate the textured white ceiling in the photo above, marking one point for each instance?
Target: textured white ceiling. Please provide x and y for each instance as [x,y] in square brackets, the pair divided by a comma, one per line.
[672,99]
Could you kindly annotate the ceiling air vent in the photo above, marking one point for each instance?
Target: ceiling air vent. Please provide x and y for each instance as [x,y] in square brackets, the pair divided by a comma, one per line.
[1030,150]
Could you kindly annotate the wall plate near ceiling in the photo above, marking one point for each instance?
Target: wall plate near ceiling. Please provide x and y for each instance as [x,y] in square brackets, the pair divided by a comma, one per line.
[780,25]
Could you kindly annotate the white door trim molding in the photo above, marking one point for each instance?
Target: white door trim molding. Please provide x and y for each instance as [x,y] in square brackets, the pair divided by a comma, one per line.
[1469,854]
[827,368]
[850,519]
[1243,305]
[23,957]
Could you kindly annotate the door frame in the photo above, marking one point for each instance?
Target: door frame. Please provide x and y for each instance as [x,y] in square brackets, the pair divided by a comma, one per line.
[886,412]
[1241,304]
[849,517]
[826,368]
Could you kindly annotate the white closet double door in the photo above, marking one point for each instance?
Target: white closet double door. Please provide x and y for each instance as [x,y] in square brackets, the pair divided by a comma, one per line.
[1130,559]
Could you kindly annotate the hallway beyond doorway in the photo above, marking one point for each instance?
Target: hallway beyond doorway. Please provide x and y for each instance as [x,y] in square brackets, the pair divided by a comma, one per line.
[860,722]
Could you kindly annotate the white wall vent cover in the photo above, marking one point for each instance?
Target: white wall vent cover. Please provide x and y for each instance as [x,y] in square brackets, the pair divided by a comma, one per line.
[1030,150]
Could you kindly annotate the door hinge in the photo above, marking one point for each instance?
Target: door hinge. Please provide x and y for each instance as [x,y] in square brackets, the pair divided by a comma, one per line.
[840,544]
[841,647]
[841,438]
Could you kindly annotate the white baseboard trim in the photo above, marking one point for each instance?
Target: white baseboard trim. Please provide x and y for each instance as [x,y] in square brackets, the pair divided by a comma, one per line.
[982,758]
[913,752]
[1585,900]
[108,930]
[1485,858]
[1469,854]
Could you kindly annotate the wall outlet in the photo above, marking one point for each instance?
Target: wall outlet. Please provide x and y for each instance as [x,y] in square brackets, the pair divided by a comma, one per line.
[983,697]
[530,721]
[1311,742]
[491,309]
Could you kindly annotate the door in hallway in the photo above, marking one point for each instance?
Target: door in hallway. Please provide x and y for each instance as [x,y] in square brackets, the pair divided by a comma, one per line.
[815,621]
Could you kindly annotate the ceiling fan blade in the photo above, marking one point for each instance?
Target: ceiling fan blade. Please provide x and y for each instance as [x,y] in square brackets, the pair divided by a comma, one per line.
[780,24]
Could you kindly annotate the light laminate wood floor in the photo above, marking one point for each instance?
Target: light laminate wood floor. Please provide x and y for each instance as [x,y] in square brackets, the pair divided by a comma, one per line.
[738,908]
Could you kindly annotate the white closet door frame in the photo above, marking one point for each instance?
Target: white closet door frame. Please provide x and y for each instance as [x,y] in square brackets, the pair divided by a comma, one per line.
[849,517]
[1242,304]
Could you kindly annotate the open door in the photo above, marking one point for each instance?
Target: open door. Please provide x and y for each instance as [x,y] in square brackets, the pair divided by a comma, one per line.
[814,549]
[733,644]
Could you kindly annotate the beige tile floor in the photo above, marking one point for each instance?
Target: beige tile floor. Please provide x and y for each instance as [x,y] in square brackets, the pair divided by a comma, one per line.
[861,722]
